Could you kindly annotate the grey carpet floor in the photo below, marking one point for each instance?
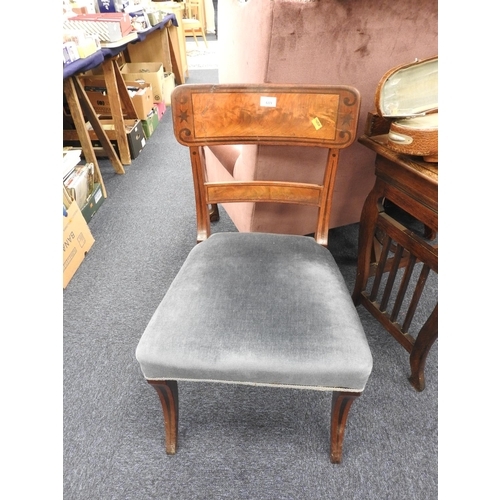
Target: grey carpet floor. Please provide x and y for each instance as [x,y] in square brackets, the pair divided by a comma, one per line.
[234,442]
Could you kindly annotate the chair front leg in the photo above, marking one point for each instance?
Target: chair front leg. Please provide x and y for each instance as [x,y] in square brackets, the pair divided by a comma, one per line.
[341,404]
[169,398]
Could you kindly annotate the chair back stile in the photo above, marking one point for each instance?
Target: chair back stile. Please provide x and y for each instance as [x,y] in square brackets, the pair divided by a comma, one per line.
[199,180]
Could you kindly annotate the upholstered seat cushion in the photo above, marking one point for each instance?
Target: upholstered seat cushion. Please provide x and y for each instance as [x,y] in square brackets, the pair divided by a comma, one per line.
[261,309]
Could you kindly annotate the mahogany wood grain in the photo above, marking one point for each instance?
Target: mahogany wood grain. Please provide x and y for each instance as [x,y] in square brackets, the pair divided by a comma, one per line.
[341,404]
[282,115]
[266,114]
[386,246]
[169,397]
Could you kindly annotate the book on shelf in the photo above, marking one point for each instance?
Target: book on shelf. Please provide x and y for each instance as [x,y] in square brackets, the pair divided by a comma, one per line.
[79,183]
[71,158]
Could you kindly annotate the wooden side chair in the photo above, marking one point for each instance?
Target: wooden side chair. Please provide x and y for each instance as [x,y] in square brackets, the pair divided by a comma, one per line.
[191,23]
[259,308]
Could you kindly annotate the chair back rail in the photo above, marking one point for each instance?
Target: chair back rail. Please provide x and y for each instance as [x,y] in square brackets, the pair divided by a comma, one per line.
[278,115]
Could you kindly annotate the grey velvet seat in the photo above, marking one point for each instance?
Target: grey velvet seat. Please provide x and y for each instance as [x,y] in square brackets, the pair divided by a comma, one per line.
[258,308]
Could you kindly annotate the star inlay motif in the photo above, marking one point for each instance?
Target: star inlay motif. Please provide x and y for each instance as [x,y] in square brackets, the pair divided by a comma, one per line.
[347,120]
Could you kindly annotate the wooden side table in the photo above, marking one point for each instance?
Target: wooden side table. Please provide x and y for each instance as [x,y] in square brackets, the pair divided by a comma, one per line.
[391,253]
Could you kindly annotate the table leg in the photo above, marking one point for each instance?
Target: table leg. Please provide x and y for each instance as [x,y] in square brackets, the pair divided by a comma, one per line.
[96,125]
[125,99]
[367,228]
[116,111]
[79,121]
[177,45]
[175,55]
[423,343]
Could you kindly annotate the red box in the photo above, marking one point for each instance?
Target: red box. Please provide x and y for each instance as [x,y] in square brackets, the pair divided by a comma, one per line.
[161,109]
[109,27]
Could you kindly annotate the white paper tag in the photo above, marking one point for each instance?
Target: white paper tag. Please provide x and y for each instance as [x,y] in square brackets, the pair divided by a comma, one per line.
[317,124]
[268,102]
[98,195]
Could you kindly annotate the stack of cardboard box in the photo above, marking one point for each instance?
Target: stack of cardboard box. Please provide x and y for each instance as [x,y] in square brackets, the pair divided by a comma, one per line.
[162,85]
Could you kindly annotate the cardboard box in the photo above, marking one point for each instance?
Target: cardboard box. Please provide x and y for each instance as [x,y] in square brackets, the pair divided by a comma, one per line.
[142,98]
[149,125]
[87,48]
[168,87]
[77,241]
[161,107]
[151,72]
[109,27]
[80,182]
[135,134]
[136,139]
[94,201]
